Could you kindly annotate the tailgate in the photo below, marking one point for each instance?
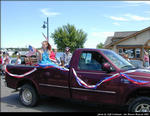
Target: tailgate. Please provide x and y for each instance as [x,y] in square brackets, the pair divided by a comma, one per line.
[15,73]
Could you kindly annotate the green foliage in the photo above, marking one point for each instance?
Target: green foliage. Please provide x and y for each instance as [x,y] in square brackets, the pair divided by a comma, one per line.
[100,45]
[69,36]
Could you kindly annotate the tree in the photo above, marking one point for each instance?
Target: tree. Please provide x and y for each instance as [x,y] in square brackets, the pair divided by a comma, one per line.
[100,45]
[69,36]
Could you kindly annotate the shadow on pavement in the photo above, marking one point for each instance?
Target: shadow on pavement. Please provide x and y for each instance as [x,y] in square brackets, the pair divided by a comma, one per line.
[50,104]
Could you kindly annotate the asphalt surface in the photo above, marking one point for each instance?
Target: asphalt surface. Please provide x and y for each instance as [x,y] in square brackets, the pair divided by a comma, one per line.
[10,103]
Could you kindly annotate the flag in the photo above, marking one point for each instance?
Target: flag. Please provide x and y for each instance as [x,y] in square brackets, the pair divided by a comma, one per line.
[31,52]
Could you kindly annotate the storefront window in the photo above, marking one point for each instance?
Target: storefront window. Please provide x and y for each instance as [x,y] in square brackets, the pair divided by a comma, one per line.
[137,53]
[120,51]
[132,53]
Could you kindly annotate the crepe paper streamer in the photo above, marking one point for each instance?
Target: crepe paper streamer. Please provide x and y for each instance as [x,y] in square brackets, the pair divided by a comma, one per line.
[147,70]
[85,85]
[46,66]
[33,70]
[139,82]
[53,60]
[80,81]
[22,75]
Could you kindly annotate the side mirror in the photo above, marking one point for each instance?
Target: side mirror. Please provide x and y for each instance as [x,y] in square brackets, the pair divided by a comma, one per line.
[106,67]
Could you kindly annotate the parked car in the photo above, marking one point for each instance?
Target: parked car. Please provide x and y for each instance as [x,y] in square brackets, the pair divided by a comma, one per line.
[13,60]
[137,63]
[94,75]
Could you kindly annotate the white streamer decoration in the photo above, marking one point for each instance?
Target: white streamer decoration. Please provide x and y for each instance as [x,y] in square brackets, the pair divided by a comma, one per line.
[22,75]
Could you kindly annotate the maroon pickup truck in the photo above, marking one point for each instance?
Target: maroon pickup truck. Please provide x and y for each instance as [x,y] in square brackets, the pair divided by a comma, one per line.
[94,75]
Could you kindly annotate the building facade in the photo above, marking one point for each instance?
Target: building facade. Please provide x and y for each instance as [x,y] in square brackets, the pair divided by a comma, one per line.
[132,42]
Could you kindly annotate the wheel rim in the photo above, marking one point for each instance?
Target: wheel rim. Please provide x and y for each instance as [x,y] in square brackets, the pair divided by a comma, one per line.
[143,108]
[27,96]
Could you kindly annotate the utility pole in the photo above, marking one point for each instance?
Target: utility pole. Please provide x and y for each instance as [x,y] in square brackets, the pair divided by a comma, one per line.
[47,29]
[46,26]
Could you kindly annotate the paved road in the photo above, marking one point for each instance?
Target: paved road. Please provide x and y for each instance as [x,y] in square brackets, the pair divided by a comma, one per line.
[10,103]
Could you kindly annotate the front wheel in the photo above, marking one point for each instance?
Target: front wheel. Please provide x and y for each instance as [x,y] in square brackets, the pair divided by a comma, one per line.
[28,96]
[141,104]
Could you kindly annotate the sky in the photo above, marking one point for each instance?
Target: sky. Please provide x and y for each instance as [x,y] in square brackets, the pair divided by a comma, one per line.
[21,21]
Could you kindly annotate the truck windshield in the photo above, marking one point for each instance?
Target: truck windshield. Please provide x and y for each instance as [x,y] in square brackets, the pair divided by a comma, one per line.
[118,60]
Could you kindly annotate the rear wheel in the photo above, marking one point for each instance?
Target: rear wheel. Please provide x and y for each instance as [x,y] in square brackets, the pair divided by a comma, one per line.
[141,104]
[28,95]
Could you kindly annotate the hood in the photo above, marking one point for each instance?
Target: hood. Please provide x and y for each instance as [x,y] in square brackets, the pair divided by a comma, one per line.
[139,74]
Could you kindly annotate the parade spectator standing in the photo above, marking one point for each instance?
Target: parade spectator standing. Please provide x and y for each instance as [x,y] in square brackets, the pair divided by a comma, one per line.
[18,61]
[146,59]
[1,61]
[127,57]
[65,59]
[6,61]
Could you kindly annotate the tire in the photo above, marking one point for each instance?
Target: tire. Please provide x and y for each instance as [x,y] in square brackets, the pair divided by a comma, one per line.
[28,96]
[140,104]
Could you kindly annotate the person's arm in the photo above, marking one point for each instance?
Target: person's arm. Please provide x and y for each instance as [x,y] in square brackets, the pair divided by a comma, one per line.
[37,51]
[62,60]
[39,54]
[70,58]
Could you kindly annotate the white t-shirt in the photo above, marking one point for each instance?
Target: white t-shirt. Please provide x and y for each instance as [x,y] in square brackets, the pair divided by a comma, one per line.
[66,58]
[18,61]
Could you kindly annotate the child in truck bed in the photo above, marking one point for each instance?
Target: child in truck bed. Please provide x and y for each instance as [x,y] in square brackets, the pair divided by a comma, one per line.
[45,54]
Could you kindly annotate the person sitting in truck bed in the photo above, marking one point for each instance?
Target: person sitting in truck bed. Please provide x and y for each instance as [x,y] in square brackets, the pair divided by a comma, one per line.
[44,53]
[18,61]
[66,57]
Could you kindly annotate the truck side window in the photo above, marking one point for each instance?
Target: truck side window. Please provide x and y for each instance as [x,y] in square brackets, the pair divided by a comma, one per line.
[91,61]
